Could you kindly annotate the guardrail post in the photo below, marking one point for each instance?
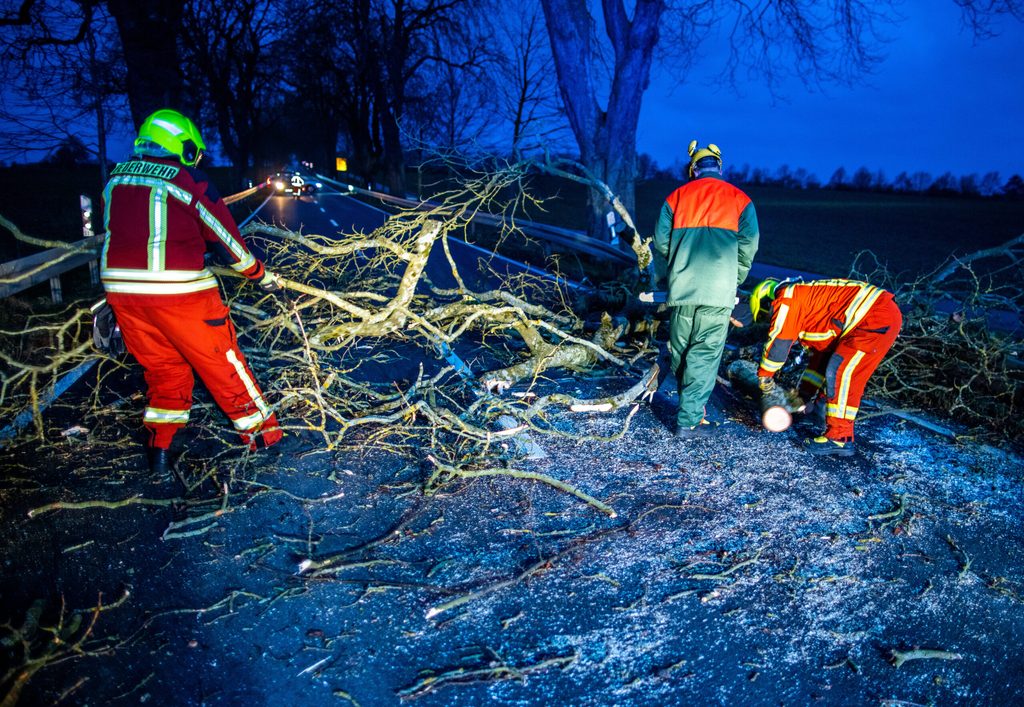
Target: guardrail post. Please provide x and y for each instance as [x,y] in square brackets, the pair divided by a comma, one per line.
[55,292]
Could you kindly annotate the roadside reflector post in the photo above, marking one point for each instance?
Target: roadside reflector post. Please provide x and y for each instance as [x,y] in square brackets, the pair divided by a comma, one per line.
[55,292]
[85,204]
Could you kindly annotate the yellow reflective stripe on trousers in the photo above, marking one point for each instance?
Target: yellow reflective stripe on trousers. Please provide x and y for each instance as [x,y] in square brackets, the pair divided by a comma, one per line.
[813,377]
[816,335]
[848,414]
[249,421]
[164,416]
[839,408]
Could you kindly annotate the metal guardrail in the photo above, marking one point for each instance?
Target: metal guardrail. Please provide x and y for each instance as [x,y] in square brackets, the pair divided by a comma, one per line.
[572,240]
[23,273]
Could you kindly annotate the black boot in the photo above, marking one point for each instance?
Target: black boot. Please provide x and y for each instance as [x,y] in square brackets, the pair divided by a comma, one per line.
[159,461]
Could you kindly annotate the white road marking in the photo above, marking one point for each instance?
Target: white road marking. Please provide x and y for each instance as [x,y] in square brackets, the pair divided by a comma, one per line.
[334,223]
[323,210]
[251,216]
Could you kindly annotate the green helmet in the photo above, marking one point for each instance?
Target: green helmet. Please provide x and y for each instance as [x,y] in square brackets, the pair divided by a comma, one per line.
[173,132]
[762,296]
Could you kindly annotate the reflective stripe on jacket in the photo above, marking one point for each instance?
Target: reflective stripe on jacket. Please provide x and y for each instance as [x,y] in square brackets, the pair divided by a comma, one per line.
[161,218]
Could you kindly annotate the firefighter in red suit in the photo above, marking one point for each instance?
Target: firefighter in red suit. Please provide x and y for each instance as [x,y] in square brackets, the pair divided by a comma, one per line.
[848,325]
[162,216]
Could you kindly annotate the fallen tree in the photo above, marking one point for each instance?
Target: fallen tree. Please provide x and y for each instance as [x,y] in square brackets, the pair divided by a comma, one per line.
[361,301]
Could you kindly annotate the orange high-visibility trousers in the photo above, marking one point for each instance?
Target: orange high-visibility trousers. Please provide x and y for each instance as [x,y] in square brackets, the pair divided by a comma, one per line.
[196,334]
[844,369]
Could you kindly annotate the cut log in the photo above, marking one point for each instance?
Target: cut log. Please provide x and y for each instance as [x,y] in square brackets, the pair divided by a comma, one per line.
[775,414]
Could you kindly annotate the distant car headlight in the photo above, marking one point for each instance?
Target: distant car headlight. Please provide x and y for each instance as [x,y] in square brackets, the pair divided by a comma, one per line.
[319,185]
[279,185]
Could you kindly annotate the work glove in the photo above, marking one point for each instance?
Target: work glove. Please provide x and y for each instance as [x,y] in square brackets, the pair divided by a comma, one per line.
[766,384]
[270,283]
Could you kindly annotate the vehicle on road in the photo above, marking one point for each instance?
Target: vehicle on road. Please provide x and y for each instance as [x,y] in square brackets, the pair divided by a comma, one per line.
[294,183]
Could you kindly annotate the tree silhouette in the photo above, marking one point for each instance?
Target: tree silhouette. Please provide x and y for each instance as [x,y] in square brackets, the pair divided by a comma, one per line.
[838,179]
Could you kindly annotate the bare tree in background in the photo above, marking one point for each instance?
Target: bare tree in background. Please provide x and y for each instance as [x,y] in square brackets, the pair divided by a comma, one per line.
[606,135]
[452,102]
[149,32]
[527,89]
[324,94]
[978,15]
[379,50]
[772,39]
[64,79]
[405,27]
[226,51]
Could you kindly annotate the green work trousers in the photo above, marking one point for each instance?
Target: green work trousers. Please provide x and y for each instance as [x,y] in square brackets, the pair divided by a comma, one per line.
[696,339]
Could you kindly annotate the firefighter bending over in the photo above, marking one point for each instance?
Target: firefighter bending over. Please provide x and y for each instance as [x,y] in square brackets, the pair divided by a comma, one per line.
[849,327]
[162,215]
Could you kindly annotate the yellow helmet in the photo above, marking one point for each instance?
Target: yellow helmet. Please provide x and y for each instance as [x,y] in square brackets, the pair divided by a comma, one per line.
[762,296]
[173,132]
[696,155]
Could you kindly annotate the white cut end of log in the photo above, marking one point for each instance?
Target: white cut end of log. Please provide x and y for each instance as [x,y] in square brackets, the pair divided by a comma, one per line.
[776,419]
[591,407]
[509,432]
[305,565]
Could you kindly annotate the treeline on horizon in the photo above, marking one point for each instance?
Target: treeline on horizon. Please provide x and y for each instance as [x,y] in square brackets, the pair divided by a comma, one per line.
[72,153]
[990,184]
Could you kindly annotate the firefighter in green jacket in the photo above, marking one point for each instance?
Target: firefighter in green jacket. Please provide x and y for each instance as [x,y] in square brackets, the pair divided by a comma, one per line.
[707,232]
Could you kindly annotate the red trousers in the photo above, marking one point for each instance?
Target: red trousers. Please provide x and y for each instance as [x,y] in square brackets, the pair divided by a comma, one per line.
[193,333]
[844,368]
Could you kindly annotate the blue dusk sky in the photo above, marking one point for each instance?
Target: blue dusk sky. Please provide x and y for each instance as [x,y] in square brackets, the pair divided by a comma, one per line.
[939,101]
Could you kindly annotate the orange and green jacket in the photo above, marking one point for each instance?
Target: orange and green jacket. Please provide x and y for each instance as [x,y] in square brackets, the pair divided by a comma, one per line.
[707,231]
[816,314]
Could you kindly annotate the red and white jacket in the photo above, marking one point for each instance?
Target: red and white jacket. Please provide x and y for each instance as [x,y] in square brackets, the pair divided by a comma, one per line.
[161,218]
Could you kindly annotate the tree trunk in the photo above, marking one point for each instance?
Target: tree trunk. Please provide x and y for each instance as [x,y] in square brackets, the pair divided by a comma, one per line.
[149,31]
[606,137]
[101,142]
